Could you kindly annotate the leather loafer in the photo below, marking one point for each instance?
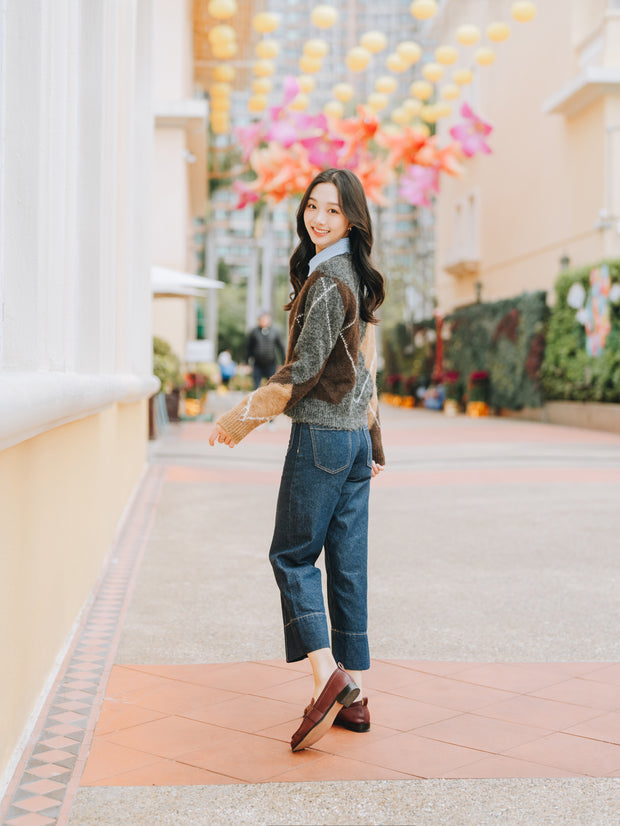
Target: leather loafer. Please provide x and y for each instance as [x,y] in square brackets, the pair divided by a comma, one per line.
[339,691]
[356,717]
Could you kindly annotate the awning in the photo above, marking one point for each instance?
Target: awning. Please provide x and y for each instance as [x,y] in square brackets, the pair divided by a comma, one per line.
[175,282]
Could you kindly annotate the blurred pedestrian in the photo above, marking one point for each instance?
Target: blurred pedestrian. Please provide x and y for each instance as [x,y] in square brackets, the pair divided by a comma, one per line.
[227,366]
[327,387]
[264,349]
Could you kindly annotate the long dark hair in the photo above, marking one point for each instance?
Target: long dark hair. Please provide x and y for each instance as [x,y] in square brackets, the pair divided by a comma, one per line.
[354,206]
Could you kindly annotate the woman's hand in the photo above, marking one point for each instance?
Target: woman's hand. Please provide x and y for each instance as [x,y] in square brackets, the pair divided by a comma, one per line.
[218,434]
[376,470]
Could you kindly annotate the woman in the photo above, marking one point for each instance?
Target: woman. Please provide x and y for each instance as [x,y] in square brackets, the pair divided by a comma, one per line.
[327,387]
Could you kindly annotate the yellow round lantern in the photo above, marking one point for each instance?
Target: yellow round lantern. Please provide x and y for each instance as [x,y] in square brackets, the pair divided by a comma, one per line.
[220,123]
[400,116]
[333,109]
[265,22]
[412,107]
[468,34]
[374,41]
[462,76]
[263,68]
[300,102]
[262,86]
[432,113]
[316,47]
[222,33]
[423,9]
[257,103]
[220,104]
[523,11]
[497,32]
[267,49]
[484,56]
[221,9]
[432,72]
[224,73]
[409,51]
[217,90]
[386,84]
[310,65]
[442,110]
[429,113]
[225,51]
[343,92]
[377,101]
[395,63]
[450,91]
[358,58]
[324,16]
[446,55]
[306,83]
[421,89]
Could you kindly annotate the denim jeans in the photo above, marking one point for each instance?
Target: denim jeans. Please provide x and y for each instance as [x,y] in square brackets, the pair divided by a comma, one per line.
[323,503]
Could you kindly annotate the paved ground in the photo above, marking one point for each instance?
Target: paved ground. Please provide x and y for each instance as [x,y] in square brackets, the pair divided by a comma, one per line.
[495,635]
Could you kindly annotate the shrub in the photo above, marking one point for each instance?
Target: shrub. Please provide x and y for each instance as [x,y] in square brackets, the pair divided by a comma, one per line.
[506,340]
[568,372]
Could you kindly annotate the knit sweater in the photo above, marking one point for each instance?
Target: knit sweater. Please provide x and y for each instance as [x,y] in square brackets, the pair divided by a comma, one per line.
[328,378]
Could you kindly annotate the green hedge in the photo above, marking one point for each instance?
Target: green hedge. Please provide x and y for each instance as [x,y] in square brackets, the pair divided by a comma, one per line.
[505,338]
[568,372]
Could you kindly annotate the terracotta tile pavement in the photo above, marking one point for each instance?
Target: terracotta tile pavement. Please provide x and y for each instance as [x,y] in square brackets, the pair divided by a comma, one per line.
[231,723]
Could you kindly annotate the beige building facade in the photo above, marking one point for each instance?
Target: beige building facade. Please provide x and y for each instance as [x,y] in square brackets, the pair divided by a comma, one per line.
[550,190]
[76,134]
[179,178]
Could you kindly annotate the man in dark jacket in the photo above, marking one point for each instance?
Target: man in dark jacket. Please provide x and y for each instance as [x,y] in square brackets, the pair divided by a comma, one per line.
[264,348]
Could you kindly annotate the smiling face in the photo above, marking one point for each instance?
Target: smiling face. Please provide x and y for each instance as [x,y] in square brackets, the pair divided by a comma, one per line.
[323,217]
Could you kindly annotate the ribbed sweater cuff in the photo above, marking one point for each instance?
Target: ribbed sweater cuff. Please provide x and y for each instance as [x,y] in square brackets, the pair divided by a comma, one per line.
[234,425]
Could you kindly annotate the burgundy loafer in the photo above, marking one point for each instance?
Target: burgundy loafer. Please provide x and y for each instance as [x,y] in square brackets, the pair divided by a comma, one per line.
[340,690]
[356,717]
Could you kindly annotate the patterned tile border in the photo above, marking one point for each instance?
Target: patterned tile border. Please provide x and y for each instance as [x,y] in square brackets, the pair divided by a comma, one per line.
[47,777]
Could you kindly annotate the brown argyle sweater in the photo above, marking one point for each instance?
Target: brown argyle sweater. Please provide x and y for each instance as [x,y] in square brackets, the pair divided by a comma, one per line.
[328,378]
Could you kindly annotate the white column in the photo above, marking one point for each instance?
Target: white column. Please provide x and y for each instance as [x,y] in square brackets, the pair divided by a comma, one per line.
[23,165]
[90,194]
[142,159]
[108,217]
[125,203]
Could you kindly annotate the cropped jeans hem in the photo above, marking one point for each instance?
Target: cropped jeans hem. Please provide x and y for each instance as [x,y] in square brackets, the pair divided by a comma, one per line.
[323,505]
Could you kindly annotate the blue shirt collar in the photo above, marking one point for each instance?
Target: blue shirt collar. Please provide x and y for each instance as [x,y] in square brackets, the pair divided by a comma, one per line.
[339,248]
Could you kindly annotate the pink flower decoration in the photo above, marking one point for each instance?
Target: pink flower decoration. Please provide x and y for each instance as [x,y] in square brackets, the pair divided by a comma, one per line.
[246,193]
[472,133]
[250,138]
[418,183]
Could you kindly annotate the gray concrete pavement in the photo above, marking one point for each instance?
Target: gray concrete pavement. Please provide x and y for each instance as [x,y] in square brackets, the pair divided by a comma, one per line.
[491,540]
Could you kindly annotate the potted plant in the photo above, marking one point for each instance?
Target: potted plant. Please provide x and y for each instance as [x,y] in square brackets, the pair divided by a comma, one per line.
[198,382]
[167,368]
[478,387]
[453,392]
[394,383]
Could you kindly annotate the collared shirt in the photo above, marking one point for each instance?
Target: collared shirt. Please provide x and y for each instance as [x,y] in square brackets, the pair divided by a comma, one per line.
[339,248]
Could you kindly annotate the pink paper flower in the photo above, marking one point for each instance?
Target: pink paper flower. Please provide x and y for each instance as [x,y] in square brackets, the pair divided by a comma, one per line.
[246,192]
[250,137]
[472,132]
[418,183]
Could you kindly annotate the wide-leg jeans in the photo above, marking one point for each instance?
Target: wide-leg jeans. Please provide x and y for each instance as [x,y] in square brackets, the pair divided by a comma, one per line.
[323,503]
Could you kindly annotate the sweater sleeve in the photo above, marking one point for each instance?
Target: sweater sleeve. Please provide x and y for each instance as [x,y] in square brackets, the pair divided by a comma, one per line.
[321,325]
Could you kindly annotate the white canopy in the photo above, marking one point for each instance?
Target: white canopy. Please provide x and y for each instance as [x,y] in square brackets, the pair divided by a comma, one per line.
[175,282]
